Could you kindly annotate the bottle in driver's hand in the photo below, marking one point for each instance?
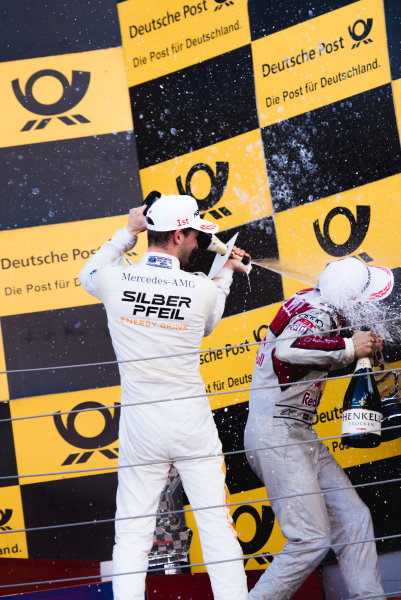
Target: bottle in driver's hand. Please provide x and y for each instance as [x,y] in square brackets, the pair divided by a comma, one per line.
[361,417]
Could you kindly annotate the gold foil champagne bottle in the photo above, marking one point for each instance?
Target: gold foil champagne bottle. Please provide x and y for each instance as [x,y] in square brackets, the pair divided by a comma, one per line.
[361,417]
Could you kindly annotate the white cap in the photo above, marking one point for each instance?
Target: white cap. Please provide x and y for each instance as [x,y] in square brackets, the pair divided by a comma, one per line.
[169,213]
[351,279]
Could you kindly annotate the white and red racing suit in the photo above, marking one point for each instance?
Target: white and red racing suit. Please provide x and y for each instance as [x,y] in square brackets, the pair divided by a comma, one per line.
[157,315]
[282,406]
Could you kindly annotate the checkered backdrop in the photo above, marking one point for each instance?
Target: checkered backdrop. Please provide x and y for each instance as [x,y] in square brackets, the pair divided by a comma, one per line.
[283,123]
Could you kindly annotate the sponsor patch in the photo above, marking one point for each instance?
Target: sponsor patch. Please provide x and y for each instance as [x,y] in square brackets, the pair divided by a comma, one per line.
[160,261]
[311,399]
[302,326]
[313,320]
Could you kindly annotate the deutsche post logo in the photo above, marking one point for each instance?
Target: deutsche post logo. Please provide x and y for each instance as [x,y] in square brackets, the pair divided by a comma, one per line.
[218,184]
[5,516]
[263,529]
[91,444]
[260,333]
[359,32]
[72,95]
[359,229]
[221,3]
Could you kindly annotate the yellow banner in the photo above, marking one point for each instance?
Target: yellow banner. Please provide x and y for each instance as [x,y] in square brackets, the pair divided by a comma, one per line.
[228,369]
[12,545]
[62,97]
[159,38]
[256,528]
[320,61]
[43,275]
[228,180]
[290,286]
[85,440]
[357,221]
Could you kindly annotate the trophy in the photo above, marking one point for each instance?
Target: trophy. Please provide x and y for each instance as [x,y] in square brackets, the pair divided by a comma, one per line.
[172,538]
[388,385]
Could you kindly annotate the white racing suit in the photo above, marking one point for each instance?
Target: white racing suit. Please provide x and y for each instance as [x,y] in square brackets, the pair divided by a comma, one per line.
[280,417]
[155,311]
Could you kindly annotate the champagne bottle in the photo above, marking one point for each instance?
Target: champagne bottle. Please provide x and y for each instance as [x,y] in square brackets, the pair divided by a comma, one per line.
[209,241]
[362,415]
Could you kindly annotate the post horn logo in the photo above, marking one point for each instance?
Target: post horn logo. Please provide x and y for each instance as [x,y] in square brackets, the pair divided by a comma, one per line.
[362,35]
[72,94]
[5,516]
[218,184]
[359,229]
[264,528]
[107,436]
[260,333]
[221,3]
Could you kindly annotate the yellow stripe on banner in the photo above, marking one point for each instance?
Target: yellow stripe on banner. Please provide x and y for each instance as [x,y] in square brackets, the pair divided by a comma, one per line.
[43,274]
[65,443]
[320,61]
[228,180]
[254,523]
[397,102]
[62,97]
[291,286]
[4,392]
[160,38]
[358,221]
[12,545]
[229,369]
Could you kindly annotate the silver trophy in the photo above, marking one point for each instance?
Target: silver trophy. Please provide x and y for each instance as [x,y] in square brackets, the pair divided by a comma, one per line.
[388,385]
[172,538]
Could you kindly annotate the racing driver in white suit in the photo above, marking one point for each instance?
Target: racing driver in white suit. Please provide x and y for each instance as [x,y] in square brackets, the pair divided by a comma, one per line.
[295,351]
[157,315]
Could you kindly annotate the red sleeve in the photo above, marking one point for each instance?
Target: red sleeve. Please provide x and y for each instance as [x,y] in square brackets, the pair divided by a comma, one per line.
[314,342]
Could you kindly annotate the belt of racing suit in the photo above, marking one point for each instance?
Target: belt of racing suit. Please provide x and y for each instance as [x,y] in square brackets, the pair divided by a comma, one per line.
[285,411]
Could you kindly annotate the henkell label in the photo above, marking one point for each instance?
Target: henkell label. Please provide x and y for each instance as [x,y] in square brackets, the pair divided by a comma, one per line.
[361,421]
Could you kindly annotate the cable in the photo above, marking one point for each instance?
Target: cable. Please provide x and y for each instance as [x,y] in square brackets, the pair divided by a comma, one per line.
[191,510]
[183,458]
[179,398]
[146,358]
[192,458]
[203,564]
